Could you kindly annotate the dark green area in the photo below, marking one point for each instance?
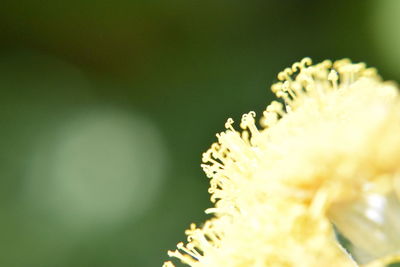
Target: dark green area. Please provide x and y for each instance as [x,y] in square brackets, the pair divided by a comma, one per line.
[343,241]
[185,65]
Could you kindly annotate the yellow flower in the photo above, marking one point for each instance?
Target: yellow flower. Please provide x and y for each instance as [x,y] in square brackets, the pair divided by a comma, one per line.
[325,162]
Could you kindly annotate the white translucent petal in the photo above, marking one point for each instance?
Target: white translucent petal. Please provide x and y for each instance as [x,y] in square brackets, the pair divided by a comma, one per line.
[371,224]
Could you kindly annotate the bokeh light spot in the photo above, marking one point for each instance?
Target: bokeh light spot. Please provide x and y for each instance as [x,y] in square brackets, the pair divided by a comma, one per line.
[384,25]
[99,168]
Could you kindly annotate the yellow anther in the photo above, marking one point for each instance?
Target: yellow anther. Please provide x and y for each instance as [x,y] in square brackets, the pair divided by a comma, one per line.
[333,76]
[282,76]
[306,62]
[276,87]
[228,124]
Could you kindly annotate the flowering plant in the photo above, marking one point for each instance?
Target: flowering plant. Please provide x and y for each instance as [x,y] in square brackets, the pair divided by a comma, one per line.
[325,162]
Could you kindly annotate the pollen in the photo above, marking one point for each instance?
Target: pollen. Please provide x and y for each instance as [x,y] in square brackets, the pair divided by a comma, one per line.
[323,162]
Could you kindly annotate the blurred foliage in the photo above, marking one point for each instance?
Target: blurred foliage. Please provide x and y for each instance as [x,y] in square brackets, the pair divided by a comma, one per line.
[185,66]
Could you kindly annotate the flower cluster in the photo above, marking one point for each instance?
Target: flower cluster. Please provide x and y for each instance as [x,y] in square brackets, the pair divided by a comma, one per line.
[325,161]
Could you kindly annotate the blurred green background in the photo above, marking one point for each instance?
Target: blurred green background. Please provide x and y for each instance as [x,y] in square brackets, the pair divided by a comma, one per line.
[106,107]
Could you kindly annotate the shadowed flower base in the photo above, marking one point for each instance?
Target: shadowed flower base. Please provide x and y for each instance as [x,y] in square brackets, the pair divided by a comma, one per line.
[328,154]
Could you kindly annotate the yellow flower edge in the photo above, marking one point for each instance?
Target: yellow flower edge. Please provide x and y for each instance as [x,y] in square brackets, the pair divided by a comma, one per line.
[277,189]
